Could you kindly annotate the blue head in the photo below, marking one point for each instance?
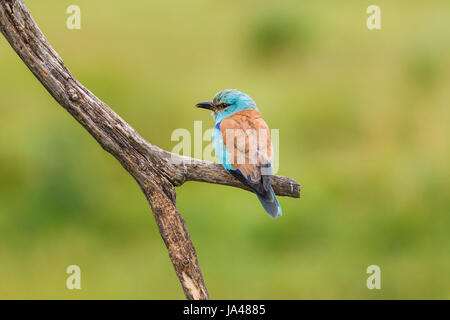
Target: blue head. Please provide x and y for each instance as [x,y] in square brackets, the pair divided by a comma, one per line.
[226,103]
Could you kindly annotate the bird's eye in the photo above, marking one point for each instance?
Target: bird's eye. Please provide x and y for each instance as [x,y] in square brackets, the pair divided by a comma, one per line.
[224,105]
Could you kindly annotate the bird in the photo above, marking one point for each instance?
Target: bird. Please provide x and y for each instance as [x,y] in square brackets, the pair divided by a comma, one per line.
[241,140]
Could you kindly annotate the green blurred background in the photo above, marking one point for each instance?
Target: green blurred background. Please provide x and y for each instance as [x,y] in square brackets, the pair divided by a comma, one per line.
[364,127]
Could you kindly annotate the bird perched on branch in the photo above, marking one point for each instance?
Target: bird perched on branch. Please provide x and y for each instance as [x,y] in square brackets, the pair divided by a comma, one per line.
[241,139]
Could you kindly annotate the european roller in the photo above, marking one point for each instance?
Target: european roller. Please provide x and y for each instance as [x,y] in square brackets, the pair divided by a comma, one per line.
[241,140]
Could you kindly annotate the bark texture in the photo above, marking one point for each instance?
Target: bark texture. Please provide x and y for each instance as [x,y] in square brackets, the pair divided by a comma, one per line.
[156,171]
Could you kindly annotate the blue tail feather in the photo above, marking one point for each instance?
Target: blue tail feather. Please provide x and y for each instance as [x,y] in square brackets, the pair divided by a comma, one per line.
[270,203]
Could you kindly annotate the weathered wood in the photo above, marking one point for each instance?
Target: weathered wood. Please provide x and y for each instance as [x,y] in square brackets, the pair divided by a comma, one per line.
[190,169]
[156,171]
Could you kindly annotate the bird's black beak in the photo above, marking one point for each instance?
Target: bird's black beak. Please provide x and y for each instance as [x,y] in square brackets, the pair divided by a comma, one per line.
[205,105]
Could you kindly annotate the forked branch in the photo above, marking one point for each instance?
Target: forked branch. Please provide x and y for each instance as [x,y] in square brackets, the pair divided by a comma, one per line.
[156,171]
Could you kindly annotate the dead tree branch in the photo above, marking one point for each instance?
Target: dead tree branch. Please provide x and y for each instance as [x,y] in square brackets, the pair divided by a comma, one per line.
[156,171]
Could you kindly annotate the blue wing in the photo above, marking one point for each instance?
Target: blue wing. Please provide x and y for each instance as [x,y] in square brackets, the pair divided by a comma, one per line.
[219,147]
[262,188]
[260,185]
